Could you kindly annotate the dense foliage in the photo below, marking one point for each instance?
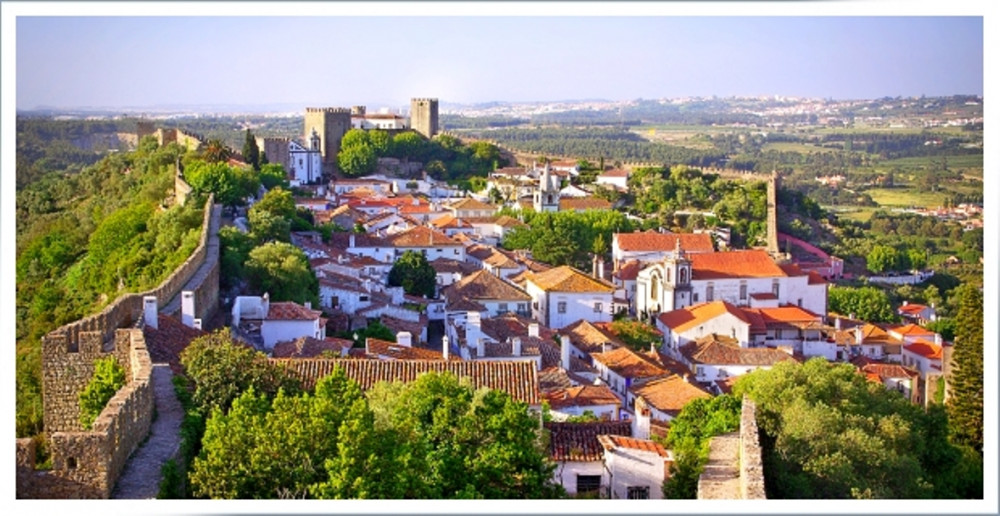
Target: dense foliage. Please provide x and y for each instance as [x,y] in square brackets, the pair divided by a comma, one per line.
[433,438]
[965,406]
[282,271]
[637,335]
[414,274]
[567,237]
[109,377]
[865,303]
[828,432]
[689,437]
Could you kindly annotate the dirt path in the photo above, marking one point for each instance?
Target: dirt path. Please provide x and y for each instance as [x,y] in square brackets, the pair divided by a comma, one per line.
[141,477]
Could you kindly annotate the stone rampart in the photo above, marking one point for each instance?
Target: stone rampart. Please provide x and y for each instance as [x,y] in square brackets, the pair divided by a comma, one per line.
[751,462]
[86,464]
[735,468]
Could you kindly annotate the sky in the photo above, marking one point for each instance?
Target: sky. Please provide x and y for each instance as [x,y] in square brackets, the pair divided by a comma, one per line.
[162,61]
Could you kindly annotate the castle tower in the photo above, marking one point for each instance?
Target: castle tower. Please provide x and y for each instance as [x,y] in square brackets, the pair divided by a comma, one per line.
[546,196]
[330,124]
[677,284]
[424,116]
[772,215]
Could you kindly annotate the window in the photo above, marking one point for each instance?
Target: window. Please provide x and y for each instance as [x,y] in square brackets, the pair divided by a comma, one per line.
[775,288]
[363,298]
[588,484]
[654,287]
[743,291]
[694,297]
[638,492]
[561,307]
[710,293]
[699,370]
[598,307]
[522,307]
[682,275]
[502,308]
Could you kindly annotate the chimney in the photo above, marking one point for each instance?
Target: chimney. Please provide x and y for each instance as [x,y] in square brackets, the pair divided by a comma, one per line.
[905,303]
[517,346]
[859,335]
[937,339]
[652,348]
[149,311]
[405,339]
[604,347]
[445,347]
[265,304]
[600,268]
[197,323]
[187,308]
[309,305]
[836,323]
[350,241]
[533,329]
[564,349]
[480,347]
[593,266]
[851,316]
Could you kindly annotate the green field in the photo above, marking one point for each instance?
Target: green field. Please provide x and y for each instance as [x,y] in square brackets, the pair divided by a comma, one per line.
[897,130]
[905,197]
[855,213]
[802,148]
[954,162]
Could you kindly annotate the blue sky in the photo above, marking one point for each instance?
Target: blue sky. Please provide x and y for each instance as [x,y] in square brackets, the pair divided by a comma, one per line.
[150,61]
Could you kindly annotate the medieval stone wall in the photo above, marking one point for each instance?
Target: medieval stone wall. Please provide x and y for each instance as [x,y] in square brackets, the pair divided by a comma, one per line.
[86,464]
[751,462]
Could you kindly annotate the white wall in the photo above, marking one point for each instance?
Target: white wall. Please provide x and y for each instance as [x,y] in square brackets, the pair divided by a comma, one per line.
[820,348]
[578,306]
[723,325]
[349,301]
[611,411]
[566,472]
[456,252]
[635,468]
[273,332]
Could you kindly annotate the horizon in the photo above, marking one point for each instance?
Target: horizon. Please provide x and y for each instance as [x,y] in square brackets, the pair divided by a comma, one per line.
[112,62]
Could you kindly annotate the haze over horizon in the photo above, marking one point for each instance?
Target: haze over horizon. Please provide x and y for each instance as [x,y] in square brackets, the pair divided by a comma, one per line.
[145,62]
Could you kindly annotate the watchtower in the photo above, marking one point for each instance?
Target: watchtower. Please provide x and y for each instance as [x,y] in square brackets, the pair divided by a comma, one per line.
[330,124]
[424,116]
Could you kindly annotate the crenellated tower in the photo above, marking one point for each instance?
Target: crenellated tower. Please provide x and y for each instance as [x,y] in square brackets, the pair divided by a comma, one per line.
[330,124]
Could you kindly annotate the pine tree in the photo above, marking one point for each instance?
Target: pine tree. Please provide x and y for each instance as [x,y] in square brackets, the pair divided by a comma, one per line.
[965,406]
[251,153]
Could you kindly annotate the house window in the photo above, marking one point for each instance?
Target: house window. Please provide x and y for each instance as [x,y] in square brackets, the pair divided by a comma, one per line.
[363,298]
[682,276]
[699,370]
[694,297]
[502,308]
[561,306]
[522,307]
[598,307]
[588,484]
[335,301]
[456,251]
[743,291]
[638,492]
[654,288]
[775,288]
[710,293]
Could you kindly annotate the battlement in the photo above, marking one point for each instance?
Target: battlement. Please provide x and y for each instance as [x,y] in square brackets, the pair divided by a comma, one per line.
[336,110]
[423,99]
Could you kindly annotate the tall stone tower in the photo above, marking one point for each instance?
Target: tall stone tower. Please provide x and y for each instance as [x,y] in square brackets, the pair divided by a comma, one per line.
[772,215]
[330,124]
[424,116]
[546,196]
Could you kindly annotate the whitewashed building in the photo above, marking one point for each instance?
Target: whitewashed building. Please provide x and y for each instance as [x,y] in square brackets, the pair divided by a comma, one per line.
[563,295]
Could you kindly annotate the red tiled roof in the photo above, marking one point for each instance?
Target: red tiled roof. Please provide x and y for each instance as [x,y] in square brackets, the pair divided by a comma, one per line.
[590,338]
[653,241]
[509,222]
[483,286]
[471,204]
[384,348]
[881,371]
[610,442]
[720,350]
[289,311]
[577,442]
[669,394]
[926,350]
[911,330]
[615,173]
[568,279]
[583,203]
[912,309]
[751,263]
[629,271]
[785,314]
[816,279]
[582,396]
[166,342]
[628,363]
[308,347]
[519,379]
[683,319]
[422,236]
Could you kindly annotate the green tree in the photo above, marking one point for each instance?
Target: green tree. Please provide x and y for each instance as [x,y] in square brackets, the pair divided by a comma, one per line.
[251,153]
[268,227]
[215,151]
[637,335]
[279,202]
[283,271]
[945,326]
[222,370]
[414,274]
[272,175]
[235,247]
[965,406]
[230,185]
[109,377]
[866,303]
[883,258]
[357,156]
[689,437]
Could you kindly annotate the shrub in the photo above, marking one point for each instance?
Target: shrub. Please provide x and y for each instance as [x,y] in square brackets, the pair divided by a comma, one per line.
[109,376]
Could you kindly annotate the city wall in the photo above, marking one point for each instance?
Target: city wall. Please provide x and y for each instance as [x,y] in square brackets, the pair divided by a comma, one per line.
[86,464]
[735,469]
[751,461]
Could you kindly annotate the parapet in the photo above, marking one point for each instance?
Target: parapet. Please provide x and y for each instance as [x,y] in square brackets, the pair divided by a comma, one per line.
[328,110]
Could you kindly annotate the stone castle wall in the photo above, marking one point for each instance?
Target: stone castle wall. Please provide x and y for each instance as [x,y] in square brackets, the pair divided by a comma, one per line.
[735,468]
[751,461]
[86,464]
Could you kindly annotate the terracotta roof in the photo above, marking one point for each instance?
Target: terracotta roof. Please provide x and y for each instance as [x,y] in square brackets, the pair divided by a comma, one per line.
[289,311]
[610,442]
[509,171]
[721,350]
[471,204]
[582,396]
[785,315]
[926,349]
[764,296]
[509,222]
[170,337]
[479,251]
[553,378]
[449,265]
[629,271]
[683,319]
[751,263]
[618,172]
[519,379]
[589,338]
[511,325]
[382,348]
[912,309]
[500,260]
[628,363]
[464,305]
[654,241]
[791,269]
[342,240]
[449,221]
[483,286]
[577,442]
[422,236]
[583,203]
[911,330]
[568,279]
[816,279]
[664,361]
[308,347]
[882,372]
[669,394]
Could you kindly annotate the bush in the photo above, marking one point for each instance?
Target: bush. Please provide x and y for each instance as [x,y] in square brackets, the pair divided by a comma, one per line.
[109,376]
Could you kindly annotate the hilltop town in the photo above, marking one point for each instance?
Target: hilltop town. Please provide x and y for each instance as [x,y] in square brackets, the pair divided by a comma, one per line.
[616,306]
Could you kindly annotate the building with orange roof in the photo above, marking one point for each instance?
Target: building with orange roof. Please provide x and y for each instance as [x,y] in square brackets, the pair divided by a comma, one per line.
[894,376]
[917,313]
[652,246]
[574,401]
[579,456]
[716,357]
[582,204]
[402,349]
[623,368]
[428,241]
[471,208]
[618,178]
[564,295]
[664,398]
[493,293]
[684,279]
[265,323]
[346,186]
[637,467]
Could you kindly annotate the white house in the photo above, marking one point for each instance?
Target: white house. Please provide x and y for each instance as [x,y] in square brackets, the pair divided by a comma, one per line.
[716,357]
[278,321]
[305,165]
[617,178]
[344,293]
[637,467]
[622,368]
[429,242]
[663,398]
[493,293]
[651,246]
[575,401]
[471,208]
[579,456]
[564,295]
